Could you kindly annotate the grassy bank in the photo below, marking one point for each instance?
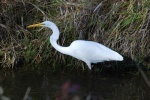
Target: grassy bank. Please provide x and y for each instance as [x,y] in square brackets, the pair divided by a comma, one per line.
[120,25]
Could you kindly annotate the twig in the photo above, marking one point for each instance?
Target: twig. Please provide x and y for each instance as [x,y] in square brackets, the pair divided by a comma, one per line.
[27,93]
[144,76]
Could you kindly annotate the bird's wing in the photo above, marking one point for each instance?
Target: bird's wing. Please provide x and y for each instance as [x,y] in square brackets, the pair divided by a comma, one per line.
[91,51]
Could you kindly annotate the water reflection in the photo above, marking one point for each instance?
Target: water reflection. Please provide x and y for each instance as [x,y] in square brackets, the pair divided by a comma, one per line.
[69,91]
[73,85]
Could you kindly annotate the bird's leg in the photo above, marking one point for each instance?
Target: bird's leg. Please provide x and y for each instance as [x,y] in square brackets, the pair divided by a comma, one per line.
[92,78]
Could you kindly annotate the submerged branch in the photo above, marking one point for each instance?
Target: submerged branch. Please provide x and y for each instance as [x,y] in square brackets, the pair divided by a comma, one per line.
[27,93]
[144,76]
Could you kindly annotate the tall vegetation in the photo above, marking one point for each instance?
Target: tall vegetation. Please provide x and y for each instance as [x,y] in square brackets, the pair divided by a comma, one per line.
[123,25]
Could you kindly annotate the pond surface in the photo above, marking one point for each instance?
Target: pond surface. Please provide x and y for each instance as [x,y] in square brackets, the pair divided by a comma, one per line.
[73,85]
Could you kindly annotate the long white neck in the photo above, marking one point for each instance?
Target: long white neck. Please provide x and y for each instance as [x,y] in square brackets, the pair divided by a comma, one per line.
[53,40]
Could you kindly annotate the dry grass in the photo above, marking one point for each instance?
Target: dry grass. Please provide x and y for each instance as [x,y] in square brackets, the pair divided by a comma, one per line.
[121,25]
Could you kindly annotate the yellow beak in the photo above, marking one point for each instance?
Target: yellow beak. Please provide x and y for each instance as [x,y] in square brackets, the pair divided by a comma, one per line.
[34,25]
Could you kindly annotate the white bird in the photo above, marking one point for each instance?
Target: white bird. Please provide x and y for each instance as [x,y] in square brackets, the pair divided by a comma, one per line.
[87,51]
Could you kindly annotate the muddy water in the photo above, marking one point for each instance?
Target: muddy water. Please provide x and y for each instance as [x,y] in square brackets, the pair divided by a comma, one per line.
[73,85]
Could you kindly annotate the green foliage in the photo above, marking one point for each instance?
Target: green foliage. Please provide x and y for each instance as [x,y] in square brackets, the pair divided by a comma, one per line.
[120,25]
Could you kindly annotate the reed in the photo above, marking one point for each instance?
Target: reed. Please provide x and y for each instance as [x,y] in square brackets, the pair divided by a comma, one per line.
[120,25]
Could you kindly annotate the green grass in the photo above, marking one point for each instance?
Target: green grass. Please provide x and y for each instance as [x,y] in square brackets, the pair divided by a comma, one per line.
[120,25]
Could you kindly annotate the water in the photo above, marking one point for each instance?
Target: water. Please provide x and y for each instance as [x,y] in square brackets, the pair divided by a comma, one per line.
[75,85]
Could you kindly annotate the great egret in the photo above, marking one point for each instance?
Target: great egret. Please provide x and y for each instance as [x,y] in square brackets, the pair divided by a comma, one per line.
[87,51]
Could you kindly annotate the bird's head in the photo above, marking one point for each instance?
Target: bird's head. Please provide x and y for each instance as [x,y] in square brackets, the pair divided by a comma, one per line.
[43,24]
[50,25]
